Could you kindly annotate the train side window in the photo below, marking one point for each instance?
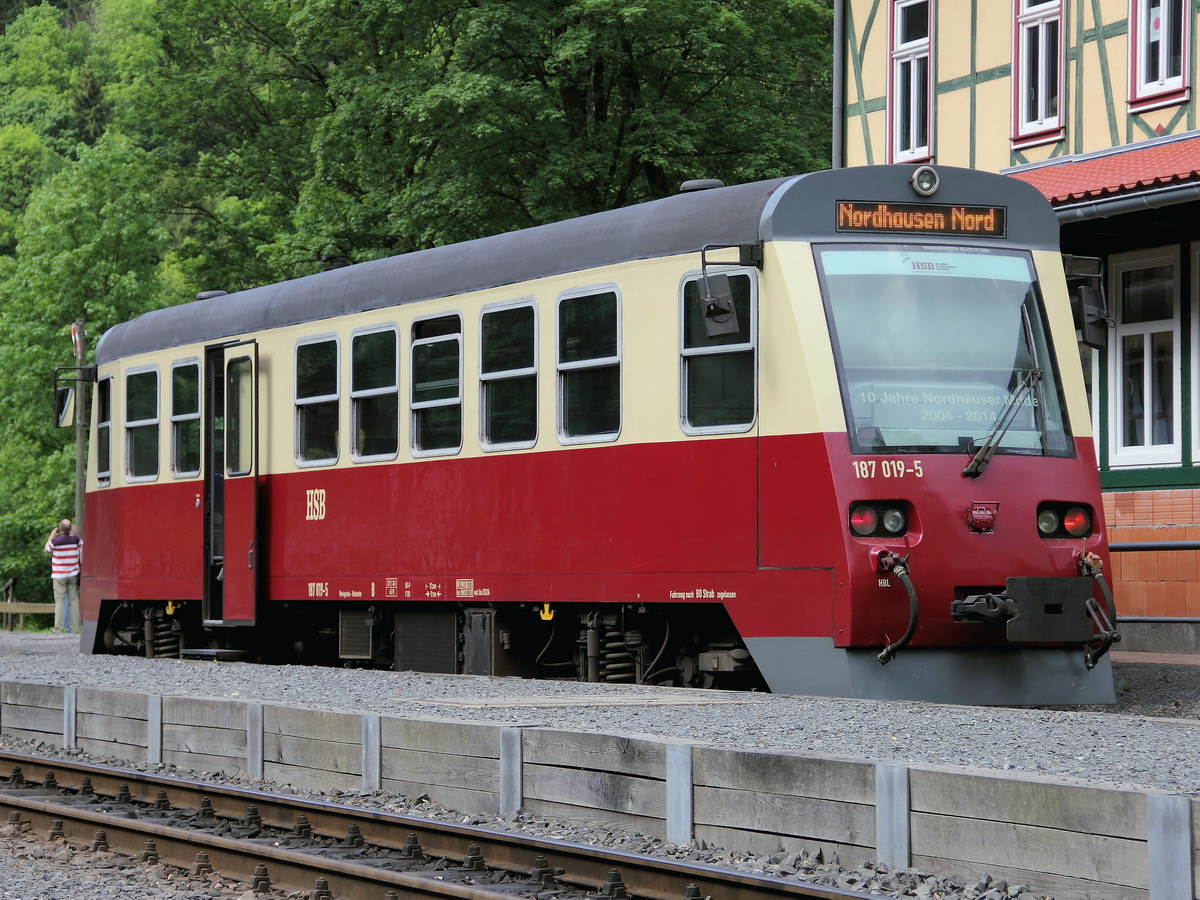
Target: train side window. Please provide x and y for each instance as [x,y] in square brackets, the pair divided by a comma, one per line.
[437,385]
[717,380]
[589,367]
[104,430]
[508,376]
[374,395]
[185,419]
[317,401]
[141,425]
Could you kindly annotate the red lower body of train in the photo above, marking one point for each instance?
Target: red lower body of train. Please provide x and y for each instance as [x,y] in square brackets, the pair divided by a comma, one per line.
[709,561]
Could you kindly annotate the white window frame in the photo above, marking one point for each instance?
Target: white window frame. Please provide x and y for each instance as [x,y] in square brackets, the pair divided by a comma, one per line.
[1152,89]
[416,406]
[356,396]
[300,402]
[564,368]
[686,353]
[130,425]
[1119,455]
[900,87]
[1035,18]
[488,378]
[178,420]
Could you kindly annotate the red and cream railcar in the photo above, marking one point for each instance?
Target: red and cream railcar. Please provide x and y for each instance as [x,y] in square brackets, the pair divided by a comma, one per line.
[778,433]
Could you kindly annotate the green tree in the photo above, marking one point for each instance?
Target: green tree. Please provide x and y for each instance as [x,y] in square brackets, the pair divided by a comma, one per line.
[42,73]
[91,247]
[455,120]
[25,161]
[233,111]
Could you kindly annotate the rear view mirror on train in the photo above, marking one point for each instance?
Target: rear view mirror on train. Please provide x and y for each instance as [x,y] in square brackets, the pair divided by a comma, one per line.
[719,315]
[1091,316]
[64,406]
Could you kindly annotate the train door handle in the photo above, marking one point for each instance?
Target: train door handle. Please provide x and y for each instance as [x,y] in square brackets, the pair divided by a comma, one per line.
[250,556]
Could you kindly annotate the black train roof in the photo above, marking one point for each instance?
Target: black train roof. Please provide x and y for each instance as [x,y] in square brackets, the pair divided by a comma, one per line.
[796,208]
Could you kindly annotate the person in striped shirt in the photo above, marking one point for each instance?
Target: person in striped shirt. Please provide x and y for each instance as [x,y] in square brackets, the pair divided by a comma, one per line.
[66,556]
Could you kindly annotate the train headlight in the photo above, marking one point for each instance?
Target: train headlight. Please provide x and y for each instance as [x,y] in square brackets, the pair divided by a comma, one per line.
[1048,521]
[893,521]
[924,180]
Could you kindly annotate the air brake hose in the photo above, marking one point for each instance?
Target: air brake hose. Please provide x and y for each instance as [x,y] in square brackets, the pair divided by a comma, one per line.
[1091,565]
[900,570]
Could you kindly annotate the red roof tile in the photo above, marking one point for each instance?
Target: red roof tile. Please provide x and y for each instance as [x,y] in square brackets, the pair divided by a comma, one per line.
[1123,172]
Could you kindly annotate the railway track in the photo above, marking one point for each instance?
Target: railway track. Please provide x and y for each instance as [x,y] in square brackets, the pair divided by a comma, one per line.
[341,852]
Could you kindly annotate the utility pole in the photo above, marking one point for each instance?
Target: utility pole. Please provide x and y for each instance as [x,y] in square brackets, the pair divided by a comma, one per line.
[77,339]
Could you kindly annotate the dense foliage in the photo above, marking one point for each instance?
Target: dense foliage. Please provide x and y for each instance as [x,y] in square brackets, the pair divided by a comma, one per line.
[150,149]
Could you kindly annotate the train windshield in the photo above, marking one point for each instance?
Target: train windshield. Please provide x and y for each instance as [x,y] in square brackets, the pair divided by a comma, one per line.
[942,349]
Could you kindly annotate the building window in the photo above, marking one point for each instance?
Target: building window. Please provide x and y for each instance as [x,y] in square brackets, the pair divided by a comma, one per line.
[508,377]
[141,425]
[909,81]
[317,401]
[185,419]
[1038,77]
[104,430]
[718,364]
[589,367]
[1158,53]
[374,395]
[1144,359]
[437,385]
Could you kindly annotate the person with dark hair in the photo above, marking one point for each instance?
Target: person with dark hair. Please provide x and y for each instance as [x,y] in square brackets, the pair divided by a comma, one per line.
[66,557]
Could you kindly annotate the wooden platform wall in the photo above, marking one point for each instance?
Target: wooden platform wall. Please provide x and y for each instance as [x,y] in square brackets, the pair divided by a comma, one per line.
[1068,840]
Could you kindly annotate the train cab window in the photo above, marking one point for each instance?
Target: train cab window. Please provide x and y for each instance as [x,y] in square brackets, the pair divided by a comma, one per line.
[909,387]
[185,419]
[437,385]
[589,367]
[718,370]
[317,401]
[104,430]
[141,425]
[508,377]
[374,395]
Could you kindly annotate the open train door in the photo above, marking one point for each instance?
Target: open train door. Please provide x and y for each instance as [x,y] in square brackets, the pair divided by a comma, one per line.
[231,545]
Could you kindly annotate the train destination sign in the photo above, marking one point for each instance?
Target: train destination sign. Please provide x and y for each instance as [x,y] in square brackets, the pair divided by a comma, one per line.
[922,218]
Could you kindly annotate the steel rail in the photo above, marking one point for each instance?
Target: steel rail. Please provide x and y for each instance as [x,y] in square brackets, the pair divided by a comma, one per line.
[584,867]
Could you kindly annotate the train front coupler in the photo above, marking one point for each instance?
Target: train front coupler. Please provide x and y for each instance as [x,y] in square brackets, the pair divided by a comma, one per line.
[1046,610]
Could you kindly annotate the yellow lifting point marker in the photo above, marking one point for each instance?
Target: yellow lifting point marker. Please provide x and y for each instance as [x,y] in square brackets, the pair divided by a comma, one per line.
[547,613]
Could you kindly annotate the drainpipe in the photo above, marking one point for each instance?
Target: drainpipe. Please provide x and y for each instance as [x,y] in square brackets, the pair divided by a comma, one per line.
[837,157]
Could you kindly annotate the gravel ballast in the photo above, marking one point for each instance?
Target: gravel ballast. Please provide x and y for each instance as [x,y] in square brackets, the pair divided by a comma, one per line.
[1147,740]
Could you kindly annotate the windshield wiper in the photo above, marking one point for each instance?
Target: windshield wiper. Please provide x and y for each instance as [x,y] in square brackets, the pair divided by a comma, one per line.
[1029,384]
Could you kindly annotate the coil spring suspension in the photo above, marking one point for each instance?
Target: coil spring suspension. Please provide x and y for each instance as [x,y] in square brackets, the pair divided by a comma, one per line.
[162,636]
[617,664]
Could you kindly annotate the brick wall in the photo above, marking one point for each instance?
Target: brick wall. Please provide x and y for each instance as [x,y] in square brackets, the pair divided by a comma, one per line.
[1155,583]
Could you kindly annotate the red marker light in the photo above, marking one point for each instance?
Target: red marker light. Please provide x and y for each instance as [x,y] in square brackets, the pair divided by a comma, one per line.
[863,520]
[1077,522]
